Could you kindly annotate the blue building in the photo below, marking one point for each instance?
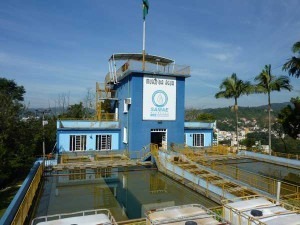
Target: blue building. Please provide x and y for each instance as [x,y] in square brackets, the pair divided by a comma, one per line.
[139,103]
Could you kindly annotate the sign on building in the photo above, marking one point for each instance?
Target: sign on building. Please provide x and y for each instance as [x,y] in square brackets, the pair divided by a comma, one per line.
[159,98]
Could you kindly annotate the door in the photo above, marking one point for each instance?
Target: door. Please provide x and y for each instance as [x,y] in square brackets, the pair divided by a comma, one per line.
[159,137]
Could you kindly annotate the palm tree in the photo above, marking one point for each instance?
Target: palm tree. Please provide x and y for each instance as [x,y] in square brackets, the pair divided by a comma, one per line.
[293,64]
[232,87]
[268,83]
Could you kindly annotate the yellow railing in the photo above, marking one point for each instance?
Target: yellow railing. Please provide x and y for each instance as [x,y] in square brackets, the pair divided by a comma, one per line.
[263,183]
[25,205]
[286,155]
[94,155]
[107,117]
[293,199]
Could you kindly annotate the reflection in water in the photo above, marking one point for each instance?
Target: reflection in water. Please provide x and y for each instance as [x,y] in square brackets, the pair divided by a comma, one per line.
[147,190]
[127,194]
[284,173]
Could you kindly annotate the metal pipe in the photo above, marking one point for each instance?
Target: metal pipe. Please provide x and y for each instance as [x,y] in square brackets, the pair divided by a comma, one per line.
[144,43]
[278,192]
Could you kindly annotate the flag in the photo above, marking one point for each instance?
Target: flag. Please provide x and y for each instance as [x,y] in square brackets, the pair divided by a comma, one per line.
[45,122]
[145,8]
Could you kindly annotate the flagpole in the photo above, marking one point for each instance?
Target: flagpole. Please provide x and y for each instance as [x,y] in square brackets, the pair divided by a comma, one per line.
[144,42]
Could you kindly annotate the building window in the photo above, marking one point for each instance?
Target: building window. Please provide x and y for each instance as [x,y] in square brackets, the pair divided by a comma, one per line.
[77,142]
[103,142]
[198,140]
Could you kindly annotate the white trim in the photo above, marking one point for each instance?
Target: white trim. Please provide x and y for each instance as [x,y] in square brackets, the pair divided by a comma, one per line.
[125,106]
[198,139]
[125,135]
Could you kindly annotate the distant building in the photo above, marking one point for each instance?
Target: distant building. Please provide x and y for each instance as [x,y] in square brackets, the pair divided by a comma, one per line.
[136,107]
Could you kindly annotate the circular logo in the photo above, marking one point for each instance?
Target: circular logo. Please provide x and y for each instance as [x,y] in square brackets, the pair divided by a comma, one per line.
[159,98]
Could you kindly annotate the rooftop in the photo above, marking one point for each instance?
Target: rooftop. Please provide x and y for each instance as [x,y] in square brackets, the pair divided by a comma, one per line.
[121,64]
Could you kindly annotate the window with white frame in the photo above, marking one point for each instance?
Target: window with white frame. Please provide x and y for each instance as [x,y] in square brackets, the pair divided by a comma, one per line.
[77,142]
[198,140]
[103,142]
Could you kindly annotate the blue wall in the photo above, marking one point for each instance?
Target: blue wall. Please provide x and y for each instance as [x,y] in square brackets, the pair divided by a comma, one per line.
[208,136]
[63,138]
[139,130]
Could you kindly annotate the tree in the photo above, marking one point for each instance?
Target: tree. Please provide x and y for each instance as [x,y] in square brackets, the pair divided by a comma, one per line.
[206,117]
[252,138]
[9,89]
[11,96]
[289,117]
[293,64]
[191,114]
[76,111]
[232,87]
[268,83]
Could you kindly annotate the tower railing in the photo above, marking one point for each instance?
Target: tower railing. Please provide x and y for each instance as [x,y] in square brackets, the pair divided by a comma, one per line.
[158,68]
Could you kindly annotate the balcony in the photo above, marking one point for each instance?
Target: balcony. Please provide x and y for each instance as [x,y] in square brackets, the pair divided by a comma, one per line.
[153,65]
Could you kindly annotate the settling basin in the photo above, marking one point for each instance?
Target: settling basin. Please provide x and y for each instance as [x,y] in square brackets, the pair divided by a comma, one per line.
[127,192]
[284,173]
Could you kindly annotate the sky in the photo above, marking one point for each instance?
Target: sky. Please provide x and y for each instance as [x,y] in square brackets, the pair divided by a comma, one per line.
[61,47]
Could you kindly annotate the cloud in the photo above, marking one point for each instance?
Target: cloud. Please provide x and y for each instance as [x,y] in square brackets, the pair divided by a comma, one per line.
[221,51]
[222,56]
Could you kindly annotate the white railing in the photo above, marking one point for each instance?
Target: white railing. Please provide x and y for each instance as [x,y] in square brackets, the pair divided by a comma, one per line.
[76,214]
[133,65]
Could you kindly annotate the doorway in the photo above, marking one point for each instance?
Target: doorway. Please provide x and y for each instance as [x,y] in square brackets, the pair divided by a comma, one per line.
[159,137]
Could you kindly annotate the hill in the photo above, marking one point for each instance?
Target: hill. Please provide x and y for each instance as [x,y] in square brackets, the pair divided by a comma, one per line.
[246,112]
[259,113]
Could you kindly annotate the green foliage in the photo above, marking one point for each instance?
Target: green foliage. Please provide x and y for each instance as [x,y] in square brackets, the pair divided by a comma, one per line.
[289,117]
[106,106]
[9,89]
[232,87]
[267,82]
[287,145]
[20,140]
[252,138]
[6,197]
[76,111]
[225,117]
[205,117]
[293,64]
[192,113]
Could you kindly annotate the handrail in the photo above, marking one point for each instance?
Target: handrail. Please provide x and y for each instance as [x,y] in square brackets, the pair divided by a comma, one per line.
[133,65]
[250,219]
[25,205]
[280,154]
[261,182]
[204,213]
[75,214]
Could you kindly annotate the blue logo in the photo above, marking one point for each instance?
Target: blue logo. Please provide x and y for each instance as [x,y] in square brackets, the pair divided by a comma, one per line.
[159,98]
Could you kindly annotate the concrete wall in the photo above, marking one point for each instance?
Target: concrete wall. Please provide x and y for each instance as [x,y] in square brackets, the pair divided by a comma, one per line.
[275,159]
[193,178]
